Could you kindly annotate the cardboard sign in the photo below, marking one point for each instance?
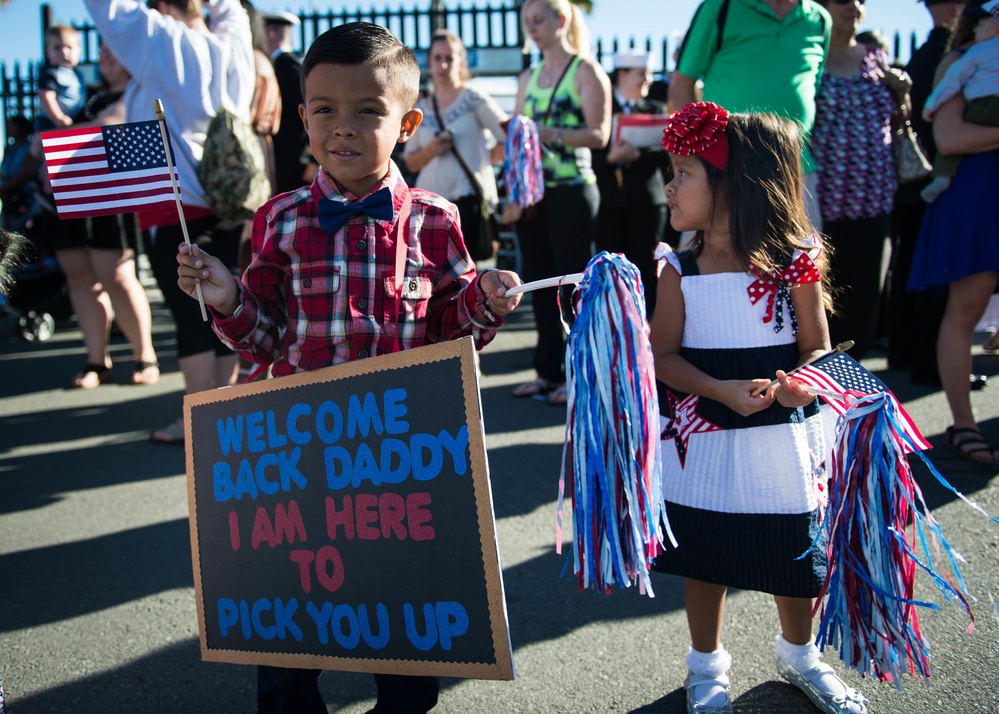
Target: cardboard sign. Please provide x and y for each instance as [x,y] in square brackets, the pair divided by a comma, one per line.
[643,131]
[342,519]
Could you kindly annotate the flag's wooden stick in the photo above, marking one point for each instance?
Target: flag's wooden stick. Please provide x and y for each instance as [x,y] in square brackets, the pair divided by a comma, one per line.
[841,347]
[570,279]
[161,119]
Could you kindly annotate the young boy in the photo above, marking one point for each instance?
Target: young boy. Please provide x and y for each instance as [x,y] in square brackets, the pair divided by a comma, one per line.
[62,93]
[322,288]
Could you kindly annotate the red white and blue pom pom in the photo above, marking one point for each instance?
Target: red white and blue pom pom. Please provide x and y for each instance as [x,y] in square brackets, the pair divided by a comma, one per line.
[878,527]
[611,455]
[525,183]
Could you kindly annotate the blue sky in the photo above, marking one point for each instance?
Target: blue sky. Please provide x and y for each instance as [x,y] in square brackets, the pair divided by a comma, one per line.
[610,18]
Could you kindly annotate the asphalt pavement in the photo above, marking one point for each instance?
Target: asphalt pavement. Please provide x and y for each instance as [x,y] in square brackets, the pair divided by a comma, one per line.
[97,605]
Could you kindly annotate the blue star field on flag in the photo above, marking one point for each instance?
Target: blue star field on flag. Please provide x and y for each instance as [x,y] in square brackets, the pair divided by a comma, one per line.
[133,147]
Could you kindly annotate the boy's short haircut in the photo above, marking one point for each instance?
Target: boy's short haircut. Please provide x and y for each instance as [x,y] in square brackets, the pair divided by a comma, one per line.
[61,31]
[360,43]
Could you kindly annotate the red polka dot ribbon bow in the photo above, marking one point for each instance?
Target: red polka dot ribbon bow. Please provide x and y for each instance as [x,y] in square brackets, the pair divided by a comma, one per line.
[775,288]
[698,129]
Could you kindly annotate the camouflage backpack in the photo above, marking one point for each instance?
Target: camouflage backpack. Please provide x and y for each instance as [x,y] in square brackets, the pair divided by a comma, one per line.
[232,172]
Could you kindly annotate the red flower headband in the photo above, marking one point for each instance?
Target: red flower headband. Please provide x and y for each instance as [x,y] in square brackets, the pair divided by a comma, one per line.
[698,129]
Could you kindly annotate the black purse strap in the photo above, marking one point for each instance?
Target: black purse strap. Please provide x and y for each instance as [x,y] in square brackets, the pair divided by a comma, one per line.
[476,186]
[565,70]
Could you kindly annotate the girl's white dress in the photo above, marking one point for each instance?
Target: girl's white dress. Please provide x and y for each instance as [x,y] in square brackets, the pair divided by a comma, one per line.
[743,494]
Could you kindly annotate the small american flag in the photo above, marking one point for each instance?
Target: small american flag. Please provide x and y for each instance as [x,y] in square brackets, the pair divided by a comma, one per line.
[101,170]
[839,380]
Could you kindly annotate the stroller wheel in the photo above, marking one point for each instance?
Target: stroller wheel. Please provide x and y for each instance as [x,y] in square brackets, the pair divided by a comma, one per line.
[35,326]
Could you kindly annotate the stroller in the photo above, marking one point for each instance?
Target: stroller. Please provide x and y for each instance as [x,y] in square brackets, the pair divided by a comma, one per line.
[40,291]
[41,295]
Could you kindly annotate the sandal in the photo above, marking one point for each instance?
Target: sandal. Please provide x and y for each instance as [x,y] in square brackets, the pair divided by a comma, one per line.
[969,446]
[171,435]
[558,396]
[538,385]
[146,372]
[83,380]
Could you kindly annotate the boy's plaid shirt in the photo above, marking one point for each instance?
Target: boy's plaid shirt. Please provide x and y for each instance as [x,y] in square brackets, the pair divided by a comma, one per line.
[309,300]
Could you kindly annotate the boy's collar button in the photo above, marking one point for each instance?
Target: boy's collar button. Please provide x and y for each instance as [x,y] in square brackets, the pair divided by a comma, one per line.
[362,354]
[362,244]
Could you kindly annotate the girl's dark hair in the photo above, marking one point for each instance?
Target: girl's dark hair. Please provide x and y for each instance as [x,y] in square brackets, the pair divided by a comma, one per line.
[762,188]
[14,249]
[361,42]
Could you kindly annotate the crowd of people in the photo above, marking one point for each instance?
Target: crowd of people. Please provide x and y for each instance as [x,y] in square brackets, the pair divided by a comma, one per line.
[777,153]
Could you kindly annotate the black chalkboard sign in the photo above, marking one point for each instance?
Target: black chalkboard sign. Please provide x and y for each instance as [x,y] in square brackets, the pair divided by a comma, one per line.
[342,519]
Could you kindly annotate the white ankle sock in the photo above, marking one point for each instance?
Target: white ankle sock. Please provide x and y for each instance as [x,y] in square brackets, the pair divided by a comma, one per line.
[807,657]
[714,665]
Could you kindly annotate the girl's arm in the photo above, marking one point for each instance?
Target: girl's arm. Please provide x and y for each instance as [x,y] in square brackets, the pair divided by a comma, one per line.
[956,136]
[813,340]
[595,98]
[671,368]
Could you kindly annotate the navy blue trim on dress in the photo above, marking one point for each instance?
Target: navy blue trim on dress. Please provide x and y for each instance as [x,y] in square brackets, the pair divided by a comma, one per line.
[748,551]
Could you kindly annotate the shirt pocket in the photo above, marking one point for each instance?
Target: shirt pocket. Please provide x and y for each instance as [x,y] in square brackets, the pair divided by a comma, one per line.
[317,286]
[415,288]
[416,291]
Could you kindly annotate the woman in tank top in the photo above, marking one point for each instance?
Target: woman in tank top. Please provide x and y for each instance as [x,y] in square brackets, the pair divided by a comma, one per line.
[568,95]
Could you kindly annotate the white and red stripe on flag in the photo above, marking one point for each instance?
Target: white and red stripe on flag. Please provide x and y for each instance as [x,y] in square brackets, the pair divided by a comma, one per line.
[103,170]
[839,380]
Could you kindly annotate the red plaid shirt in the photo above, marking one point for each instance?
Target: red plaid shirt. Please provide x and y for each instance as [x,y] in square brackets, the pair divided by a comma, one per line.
[308,300]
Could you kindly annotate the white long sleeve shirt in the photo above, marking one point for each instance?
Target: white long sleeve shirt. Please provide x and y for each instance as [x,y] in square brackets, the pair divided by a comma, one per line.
[187,69]
[976,74]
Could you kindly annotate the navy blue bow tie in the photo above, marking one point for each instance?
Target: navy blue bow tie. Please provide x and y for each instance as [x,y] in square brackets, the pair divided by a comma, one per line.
[333,214]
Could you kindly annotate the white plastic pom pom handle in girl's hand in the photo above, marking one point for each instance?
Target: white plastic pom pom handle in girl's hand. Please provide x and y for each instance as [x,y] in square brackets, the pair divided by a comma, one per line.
[570,279]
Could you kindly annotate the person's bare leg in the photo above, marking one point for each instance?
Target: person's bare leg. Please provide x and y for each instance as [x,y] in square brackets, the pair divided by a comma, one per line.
[707,660]
[795,615]
[199,376]
[967,301]
[705,604]
[116,270]
[227,370]
[92,307]
[800,660]
[199,372]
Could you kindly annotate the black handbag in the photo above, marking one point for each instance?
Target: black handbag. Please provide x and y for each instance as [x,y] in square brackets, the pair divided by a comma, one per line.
[488,233]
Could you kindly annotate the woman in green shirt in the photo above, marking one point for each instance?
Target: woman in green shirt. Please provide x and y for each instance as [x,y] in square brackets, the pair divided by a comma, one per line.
[568,95]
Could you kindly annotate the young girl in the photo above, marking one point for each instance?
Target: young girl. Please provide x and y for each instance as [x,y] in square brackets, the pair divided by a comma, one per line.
[742,462]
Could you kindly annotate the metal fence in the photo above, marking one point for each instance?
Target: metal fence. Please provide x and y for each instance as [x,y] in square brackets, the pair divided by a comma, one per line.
[492,34]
